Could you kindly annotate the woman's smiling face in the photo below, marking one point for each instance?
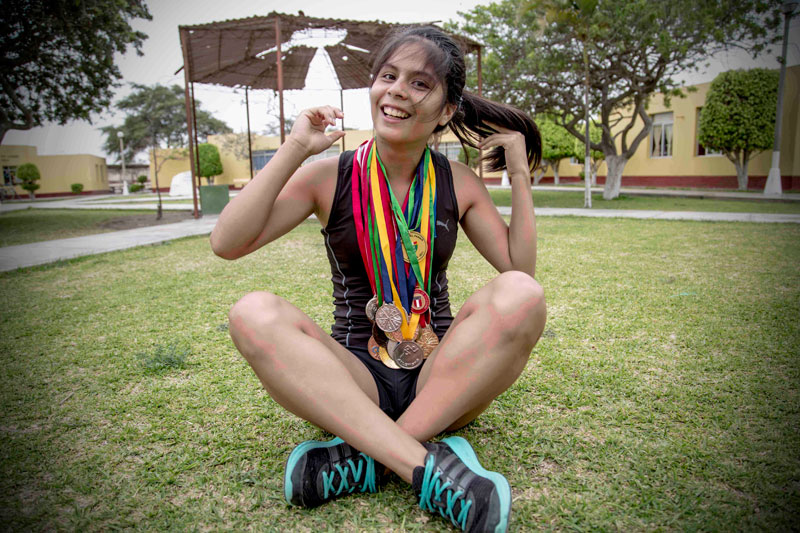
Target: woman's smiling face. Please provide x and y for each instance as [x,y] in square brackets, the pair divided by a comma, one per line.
[406,97]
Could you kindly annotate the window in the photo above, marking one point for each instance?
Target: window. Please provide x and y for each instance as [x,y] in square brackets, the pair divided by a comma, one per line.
[261,158]
[575,161]
[10,176]
[450,150]
[699,148]
[333,151]
[661,136]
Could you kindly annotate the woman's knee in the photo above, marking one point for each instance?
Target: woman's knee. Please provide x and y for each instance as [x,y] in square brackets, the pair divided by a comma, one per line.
[518,302]
[256,312]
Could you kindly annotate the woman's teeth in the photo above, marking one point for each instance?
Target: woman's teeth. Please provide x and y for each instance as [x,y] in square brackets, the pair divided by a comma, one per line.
[396,113]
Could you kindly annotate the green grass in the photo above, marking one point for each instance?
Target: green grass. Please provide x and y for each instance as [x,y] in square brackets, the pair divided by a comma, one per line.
[664,394]
[502,197]
[35,225]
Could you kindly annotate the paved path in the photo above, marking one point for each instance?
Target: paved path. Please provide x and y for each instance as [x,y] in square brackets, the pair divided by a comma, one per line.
[25,255]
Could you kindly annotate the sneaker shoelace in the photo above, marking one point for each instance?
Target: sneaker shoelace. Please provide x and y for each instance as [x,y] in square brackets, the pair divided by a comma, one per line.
[352,469]
[435,490]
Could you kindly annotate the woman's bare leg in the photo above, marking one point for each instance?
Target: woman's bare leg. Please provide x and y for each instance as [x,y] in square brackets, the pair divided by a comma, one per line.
[311,375]
[483,353]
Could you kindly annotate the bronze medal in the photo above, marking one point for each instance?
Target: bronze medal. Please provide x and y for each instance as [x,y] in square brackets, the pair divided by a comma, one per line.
[374,349]
[396,335]
[408,355]
[420,245]
[379,336]
[427,340]
[371,308]
[386,360]
[388,317]
[421,301]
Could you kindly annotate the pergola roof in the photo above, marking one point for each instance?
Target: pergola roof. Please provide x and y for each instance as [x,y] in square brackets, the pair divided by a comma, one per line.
[242,53]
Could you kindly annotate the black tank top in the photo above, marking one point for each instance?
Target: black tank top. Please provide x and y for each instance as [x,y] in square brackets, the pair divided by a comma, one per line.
[351,288]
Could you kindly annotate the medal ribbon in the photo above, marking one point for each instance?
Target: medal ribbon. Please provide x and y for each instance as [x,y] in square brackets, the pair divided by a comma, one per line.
[379,218]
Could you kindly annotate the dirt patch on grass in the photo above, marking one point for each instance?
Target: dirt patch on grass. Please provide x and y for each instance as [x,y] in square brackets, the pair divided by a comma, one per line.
[141,220]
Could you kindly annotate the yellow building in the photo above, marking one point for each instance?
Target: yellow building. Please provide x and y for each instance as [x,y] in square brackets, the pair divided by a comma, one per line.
[58,172]
[672,157]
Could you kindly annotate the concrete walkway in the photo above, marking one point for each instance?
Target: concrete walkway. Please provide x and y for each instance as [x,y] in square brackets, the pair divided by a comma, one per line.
[26,255]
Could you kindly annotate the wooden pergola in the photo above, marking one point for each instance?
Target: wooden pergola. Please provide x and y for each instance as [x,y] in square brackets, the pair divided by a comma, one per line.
[248,53]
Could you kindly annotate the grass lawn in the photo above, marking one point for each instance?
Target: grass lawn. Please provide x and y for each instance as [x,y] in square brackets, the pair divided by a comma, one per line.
[35,225]
[664,394]
[575,199]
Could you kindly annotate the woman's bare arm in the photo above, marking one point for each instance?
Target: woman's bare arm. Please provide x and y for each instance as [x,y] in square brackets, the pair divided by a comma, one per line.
[282,193]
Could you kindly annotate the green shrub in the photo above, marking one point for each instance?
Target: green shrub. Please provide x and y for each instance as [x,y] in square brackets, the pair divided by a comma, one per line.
[142,179]
[77,188]
[28,174]
[136,187]
[163,357]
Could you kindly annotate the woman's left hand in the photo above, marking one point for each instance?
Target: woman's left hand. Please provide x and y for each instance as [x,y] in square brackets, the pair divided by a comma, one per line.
[513,142]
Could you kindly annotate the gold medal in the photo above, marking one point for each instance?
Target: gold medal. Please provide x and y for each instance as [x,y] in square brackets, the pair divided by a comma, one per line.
[386,360]
[374,349]
[420,245]
[408,355]
[427,340]
[388,317]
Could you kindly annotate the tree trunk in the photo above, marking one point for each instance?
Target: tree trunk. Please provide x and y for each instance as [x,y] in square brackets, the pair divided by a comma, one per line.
[741,174]
[615,164]
[537,175]
[555,172]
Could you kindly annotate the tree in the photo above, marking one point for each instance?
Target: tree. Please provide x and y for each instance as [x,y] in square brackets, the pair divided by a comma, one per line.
[57,58]
[557,144]
[535,59]
[161,108]
[28,174]
[210,163]
[155,118]
[738,118]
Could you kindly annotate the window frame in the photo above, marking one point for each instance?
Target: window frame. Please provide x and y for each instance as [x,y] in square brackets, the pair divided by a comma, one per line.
[660,123]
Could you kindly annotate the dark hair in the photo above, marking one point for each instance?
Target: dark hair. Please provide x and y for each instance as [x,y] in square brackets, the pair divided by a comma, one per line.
[473,113]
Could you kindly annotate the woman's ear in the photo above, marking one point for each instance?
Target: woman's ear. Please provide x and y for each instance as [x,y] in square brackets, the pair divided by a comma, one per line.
[447,113]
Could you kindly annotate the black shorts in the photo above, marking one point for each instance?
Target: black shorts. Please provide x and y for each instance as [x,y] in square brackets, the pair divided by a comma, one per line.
[396,388]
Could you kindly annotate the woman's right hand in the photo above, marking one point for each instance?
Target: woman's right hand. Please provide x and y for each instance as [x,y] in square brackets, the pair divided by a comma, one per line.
[308,132]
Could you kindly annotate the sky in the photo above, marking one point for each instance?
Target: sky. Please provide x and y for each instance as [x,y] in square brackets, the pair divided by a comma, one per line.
[162,59]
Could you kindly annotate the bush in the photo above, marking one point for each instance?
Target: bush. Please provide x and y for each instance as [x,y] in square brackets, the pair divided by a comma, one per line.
[77,188]
[210,163]
[136,187]
[28,174]
[142,179]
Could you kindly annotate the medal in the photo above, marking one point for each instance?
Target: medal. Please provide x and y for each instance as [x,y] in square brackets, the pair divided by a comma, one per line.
[379,335]
[408,355]
[371,308]
[374,349]
[396,335]
[421,301]
[386,360]
[427,340]
[396,243]
[388,317]
[420,245]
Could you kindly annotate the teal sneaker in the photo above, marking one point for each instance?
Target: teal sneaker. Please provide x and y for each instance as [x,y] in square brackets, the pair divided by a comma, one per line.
[317,472]
[453,484]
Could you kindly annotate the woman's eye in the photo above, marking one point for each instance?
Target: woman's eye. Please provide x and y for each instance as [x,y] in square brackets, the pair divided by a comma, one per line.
[388,76]
[420,84]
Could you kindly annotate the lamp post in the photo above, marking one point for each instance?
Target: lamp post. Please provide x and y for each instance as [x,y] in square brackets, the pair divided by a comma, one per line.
[120,136]
[773,186]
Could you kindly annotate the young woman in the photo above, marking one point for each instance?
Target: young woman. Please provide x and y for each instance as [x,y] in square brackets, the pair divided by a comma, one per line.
[397,369]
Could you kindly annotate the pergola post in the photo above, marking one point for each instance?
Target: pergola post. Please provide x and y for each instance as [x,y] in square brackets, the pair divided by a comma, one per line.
[280,75]
[480,93]
[249,145]
[189,116]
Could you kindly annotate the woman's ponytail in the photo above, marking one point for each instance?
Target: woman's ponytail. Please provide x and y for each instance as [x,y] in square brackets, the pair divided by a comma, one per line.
[474,119]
